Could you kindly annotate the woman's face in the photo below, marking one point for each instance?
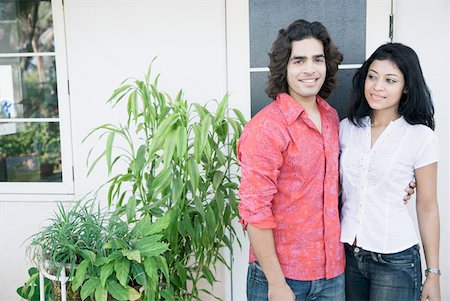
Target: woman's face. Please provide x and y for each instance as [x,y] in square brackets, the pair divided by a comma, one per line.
[384,86]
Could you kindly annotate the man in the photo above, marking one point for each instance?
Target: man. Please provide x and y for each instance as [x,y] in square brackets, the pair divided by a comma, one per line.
[289,186]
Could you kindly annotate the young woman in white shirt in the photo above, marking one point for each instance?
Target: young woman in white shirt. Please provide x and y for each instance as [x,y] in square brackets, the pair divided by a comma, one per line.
[387,141]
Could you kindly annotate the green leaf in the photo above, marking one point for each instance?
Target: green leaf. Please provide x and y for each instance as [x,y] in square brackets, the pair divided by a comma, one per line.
[217,179]
[118,91]
[80,274]
[122,269]
[199,206]
[208,275]
[210,221]
[134,105]
[88,254]
[220,200]
[206,124]
[151,269]
[169,148]
[182,141]
[168,294]
[177,188]
[108,154]
[151,245]
[131,208]
[139,274]
[139,161]
[145,227]
[181,270]
[132,294]
[194,176]
[221,109]
[241,117]
[106,271]
[101,294]
[89,287]
[116,290]
[187,225]
[93,164]
[132,255]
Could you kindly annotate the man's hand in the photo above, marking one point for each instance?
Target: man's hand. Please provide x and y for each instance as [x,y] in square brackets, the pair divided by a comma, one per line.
[410,191]
[281,292]
[431,288]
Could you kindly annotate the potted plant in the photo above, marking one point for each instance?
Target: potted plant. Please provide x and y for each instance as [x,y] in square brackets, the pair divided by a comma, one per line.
[178,159]
[70,234]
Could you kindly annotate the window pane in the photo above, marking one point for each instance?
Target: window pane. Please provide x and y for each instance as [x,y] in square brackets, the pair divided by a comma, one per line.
[26,26]
[30,152]
[28,87]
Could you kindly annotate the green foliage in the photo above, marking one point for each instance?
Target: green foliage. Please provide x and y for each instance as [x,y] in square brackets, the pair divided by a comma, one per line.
[131,259]
[31,290]
[68,236]
[181,160]
[103,254]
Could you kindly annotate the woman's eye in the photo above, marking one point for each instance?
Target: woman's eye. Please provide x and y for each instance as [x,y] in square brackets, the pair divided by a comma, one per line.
[391,81]
[371,76]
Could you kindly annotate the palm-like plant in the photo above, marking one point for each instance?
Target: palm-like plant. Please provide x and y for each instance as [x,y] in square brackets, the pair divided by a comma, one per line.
[179,159]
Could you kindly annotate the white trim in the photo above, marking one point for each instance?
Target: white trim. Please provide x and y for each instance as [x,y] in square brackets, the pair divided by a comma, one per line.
[238,58]
[343,66]
[29,120]
[27,54]
[377,24]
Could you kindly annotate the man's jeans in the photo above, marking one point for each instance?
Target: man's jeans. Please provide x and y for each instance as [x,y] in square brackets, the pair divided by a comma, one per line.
[382,277]
[320,290]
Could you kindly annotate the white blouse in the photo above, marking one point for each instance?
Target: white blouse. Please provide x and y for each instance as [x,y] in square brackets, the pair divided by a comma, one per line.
[374,182]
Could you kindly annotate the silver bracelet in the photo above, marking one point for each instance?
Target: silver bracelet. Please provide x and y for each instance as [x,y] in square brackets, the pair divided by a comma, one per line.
[432,271]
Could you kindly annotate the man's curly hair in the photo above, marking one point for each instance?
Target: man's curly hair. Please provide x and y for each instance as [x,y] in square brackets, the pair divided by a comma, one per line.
[281,52]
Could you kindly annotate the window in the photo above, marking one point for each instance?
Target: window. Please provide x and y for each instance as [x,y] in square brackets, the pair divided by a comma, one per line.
[34,155]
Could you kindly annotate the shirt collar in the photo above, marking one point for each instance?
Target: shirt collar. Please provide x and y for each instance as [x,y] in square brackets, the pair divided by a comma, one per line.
[292,109]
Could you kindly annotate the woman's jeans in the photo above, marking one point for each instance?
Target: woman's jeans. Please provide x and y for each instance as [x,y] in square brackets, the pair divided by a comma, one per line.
[382,277]
[320,290]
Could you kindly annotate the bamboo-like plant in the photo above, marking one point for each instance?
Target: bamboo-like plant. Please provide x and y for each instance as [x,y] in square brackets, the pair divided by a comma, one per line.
[180,158]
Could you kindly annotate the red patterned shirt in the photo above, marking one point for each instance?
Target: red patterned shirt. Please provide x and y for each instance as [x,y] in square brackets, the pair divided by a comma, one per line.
[289,184]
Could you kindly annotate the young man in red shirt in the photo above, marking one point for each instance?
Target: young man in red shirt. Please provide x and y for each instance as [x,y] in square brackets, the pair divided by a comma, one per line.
[289,186]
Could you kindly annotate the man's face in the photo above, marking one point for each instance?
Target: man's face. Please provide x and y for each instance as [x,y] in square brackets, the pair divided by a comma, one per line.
[306,69]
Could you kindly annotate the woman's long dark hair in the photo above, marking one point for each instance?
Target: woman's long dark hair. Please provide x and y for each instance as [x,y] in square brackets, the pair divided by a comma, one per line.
[281,52]
[415,105]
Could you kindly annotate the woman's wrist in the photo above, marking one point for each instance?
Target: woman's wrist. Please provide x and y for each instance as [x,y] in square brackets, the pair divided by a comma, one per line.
[432,271]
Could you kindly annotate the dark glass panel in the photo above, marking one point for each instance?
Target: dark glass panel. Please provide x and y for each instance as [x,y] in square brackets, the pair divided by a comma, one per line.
[30,152]
[346,25]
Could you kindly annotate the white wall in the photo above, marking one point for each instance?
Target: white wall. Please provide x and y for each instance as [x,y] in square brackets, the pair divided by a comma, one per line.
[108,41]
[424,26]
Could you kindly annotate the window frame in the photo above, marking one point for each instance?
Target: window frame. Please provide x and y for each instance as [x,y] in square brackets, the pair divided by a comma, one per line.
[66,186]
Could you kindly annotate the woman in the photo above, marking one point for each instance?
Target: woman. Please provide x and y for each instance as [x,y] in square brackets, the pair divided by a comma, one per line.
[386,141]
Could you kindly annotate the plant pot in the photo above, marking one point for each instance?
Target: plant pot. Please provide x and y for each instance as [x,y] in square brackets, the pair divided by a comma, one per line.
[71,296]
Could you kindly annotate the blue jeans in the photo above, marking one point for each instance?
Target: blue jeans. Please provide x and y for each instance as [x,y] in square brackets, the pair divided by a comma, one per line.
[382,277]
[320,290]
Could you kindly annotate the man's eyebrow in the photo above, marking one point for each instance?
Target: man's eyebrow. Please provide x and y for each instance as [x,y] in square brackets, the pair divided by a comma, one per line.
[304,57]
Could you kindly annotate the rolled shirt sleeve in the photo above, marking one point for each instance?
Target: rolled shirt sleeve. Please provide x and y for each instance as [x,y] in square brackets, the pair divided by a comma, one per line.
[260,157]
